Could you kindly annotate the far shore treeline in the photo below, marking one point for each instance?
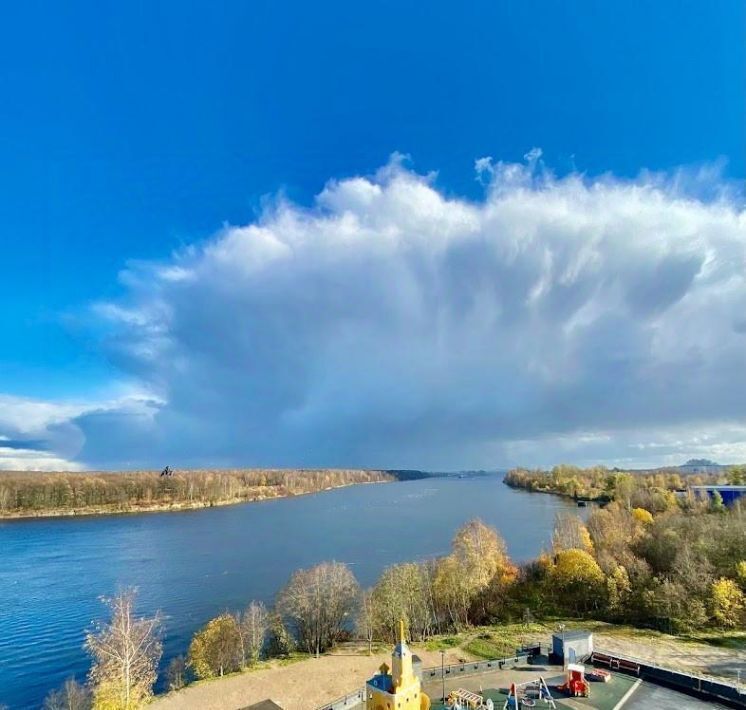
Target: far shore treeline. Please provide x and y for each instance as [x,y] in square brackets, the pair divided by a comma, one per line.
[647,489]
[38,494]
[648,557]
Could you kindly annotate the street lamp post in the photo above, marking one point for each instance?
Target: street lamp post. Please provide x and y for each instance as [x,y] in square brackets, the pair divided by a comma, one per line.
[443,674]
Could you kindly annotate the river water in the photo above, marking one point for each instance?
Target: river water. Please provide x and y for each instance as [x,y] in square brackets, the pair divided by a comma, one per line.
[193,565]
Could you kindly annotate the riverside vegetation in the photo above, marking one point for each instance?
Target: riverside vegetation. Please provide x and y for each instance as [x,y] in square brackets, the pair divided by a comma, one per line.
[36,494]
[652,489]
[649,559]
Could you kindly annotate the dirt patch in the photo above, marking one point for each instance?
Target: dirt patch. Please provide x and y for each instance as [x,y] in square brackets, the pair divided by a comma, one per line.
[301,686]
[691,657]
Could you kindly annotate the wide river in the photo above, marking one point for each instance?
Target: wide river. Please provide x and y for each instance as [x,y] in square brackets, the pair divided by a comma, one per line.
[193,565]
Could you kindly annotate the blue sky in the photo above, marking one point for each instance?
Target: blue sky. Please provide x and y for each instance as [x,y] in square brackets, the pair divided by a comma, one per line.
[132,134]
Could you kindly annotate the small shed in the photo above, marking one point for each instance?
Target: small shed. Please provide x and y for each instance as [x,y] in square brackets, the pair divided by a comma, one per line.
[572,646]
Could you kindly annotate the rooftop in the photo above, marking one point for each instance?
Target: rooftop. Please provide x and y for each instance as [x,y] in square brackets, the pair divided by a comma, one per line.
[718,487]
[570,635]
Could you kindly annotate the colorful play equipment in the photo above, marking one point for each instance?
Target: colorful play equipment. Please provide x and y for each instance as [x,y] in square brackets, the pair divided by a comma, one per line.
[529,695]
[462,699]
[575,683]
[599,675]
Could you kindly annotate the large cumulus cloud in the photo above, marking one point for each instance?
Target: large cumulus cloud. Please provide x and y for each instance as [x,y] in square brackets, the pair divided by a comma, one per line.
[392,324]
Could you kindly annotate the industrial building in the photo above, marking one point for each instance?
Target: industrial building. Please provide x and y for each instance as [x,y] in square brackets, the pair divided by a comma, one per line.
[729,494]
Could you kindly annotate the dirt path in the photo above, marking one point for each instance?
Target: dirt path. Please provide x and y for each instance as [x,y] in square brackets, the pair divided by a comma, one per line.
[299,686]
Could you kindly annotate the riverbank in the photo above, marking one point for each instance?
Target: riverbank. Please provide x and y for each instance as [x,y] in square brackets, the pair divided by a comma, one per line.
[166,508]
[26,495]
[309,683]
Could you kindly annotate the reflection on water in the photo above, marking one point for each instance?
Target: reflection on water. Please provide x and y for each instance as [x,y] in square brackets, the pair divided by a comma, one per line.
[194,565]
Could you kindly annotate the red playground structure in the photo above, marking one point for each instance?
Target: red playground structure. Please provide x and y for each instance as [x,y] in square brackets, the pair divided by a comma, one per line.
[575,683]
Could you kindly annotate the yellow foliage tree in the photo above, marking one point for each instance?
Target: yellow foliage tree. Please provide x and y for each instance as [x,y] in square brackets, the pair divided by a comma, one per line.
[216,648]
[577,579]
[727,603]
[642,515]
[741,573]
[479,560]
[618,588]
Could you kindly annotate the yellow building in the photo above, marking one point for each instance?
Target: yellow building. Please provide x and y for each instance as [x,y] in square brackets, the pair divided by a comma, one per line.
[398,688]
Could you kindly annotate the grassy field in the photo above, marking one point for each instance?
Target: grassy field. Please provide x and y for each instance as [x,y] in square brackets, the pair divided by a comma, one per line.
[707,652]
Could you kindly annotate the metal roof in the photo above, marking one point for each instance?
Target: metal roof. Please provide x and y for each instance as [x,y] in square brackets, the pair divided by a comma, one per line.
[718,488]
[263,705]
[572,635]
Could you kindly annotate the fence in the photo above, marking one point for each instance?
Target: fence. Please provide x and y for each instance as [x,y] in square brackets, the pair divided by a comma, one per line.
[356,698]
[678,680]
[351,700]
[473,667]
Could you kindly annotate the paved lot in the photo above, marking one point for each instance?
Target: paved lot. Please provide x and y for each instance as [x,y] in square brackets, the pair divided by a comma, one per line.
[657,697]
[604,696]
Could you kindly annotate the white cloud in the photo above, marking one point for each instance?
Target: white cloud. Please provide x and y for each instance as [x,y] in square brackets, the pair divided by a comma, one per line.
[394,325]
[29,460]
[39,435]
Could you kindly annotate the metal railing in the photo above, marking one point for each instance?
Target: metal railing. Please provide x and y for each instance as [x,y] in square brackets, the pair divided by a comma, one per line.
[350,700]
[467,668]
[357,697]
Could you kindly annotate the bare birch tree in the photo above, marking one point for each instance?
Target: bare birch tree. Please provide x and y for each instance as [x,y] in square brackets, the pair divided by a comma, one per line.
[318,603]
[71,696]
[252,624]
[125,653]
[403,592]
[570,533]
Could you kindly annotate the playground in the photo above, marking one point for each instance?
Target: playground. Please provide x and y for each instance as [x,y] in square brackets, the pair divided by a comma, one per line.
[534,687]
